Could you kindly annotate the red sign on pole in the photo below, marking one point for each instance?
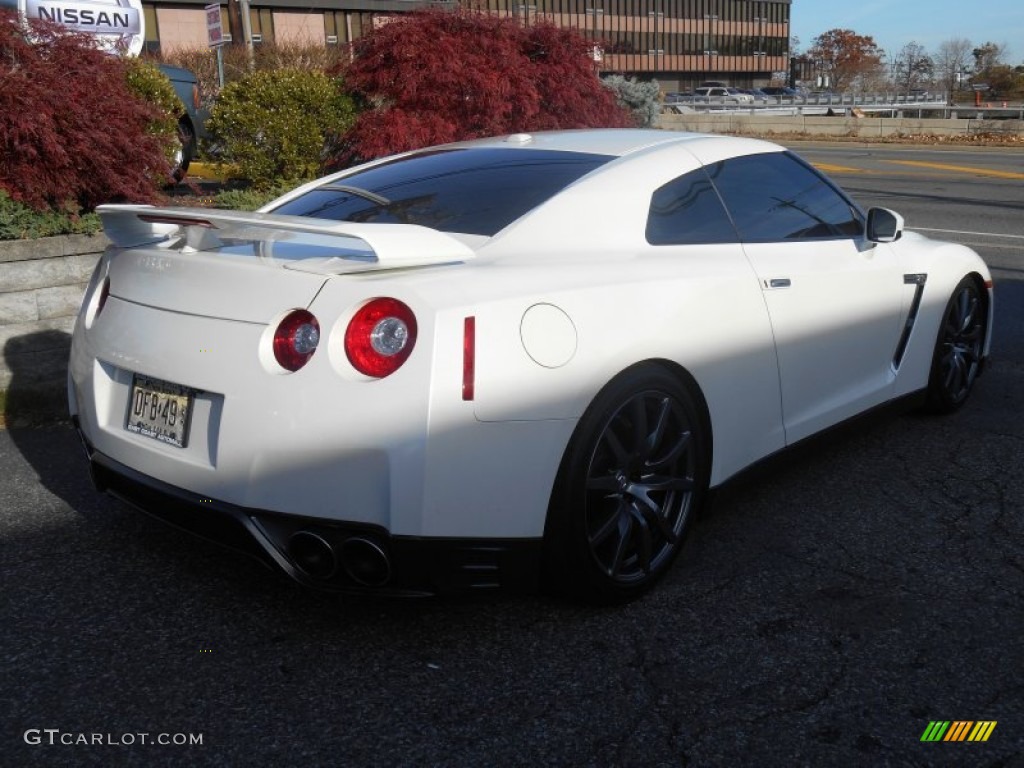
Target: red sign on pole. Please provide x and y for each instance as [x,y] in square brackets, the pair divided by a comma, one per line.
[214,33]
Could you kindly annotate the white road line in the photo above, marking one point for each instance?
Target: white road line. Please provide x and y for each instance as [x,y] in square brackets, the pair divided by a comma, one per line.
[990,246]
[964,232]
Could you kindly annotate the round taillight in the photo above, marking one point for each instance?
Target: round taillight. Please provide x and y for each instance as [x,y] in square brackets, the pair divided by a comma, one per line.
[295,339]
[380,337]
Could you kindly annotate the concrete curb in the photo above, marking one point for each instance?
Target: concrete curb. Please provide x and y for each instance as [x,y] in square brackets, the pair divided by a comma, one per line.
[51,247]
[210,172]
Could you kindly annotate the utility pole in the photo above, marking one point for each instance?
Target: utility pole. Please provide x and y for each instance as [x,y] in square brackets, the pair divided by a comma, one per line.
[238,12]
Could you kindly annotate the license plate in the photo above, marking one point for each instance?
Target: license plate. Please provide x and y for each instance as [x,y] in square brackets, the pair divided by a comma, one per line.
[160,410]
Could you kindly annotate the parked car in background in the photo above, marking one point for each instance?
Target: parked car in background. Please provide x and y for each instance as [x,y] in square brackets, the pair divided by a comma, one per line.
[756,93]
[779,91]
[724,95]
[676,97]
[192,118]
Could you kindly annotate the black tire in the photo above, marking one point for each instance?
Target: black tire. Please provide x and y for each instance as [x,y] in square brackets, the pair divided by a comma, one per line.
[957,359]
[632,479]
[186,149]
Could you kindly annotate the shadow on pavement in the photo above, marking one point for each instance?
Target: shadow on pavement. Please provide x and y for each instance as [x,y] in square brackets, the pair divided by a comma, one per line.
[37,391]
[35,412]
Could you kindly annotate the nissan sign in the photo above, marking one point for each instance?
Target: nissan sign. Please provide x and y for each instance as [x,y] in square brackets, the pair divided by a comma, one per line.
[116,23]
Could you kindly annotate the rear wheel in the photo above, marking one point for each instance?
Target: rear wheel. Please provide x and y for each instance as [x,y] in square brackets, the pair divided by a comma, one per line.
[956,361]
[630,484]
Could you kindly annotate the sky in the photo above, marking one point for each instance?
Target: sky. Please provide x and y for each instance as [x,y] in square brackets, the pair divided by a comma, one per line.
[894,23]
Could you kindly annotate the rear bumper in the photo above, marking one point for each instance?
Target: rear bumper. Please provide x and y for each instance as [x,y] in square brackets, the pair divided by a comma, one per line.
[349,557]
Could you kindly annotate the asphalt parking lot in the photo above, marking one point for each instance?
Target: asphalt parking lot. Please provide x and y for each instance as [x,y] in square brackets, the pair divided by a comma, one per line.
[825,611]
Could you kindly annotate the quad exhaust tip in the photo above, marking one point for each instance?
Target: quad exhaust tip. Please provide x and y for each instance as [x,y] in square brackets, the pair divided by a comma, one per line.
[312,554]
[365,562]
[362,560]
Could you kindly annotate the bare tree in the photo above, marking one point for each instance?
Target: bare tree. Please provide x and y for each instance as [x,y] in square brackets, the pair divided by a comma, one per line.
[988,56]
[951,60]
[989,68]
[912,67]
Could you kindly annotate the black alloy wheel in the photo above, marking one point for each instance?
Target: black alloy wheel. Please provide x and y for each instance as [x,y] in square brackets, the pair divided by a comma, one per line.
[958,350]
[629,488]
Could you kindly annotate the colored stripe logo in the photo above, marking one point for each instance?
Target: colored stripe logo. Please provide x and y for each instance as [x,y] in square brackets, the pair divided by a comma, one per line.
[958,730]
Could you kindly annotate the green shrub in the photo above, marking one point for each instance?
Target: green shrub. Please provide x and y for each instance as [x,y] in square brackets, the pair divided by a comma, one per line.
[643,99]
[151,85]
[308,56]
[277,125]
[250,199]
[19,221]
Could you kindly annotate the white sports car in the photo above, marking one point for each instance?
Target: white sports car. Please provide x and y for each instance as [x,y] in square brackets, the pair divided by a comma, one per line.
[477,364]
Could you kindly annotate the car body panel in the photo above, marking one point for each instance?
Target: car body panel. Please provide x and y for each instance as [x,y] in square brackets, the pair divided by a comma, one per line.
[209,284]
[835,315]
[713,302]
[943,264]
[186,87]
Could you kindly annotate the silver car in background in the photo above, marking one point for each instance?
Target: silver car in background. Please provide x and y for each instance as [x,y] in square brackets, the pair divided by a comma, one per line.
[723,95]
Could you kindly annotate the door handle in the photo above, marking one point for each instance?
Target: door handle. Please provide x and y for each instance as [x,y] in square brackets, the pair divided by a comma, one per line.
[778,282]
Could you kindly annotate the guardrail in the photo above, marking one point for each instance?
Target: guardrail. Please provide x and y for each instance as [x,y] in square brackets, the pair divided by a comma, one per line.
[766,123]
[892,105]
[920,111]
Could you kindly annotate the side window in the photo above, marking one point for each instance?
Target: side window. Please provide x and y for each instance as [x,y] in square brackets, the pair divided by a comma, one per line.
[776,196]
[687,211]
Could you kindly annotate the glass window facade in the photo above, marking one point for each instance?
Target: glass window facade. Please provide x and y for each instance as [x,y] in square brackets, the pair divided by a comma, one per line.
[343,27]
[743,41]
[680,42]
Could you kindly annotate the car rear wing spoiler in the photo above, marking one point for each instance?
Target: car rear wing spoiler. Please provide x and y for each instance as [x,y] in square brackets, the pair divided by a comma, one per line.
[204,229]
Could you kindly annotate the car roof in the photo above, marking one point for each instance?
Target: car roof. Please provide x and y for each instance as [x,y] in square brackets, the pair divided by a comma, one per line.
[612,142]
[616,142]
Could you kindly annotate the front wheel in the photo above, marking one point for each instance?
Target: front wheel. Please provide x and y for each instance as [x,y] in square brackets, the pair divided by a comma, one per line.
[956,361]
[628,489]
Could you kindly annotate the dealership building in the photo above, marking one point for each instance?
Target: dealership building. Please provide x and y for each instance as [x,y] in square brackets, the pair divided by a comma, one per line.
[679,42]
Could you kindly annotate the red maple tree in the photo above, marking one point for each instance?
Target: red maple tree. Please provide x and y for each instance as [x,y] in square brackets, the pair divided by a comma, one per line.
[72,135]
[437,76]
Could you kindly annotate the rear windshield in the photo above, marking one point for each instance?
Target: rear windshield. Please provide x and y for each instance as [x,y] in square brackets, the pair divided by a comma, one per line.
[473,191]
